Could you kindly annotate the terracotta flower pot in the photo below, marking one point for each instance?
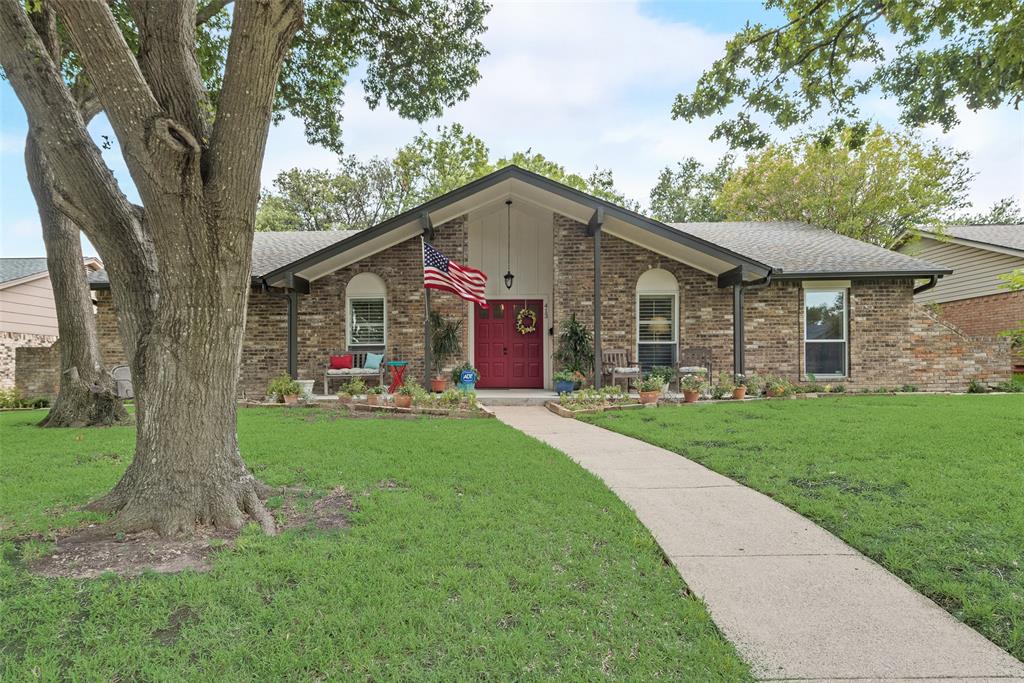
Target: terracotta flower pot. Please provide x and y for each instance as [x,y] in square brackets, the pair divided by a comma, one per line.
[690,395]
[438,384]
[647,397]
[372,399]
[739,393]
[291,400]
[403,401]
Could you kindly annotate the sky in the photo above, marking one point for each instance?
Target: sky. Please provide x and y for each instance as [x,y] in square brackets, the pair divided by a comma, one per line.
[587,84]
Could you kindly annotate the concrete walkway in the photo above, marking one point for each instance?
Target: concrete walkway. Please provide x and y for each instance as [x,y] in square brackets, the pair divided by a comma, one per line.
[797,602]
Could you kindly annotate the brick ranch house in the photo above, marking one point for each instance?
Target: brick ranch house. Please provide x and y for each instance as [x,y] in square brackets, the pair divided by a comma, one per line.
[743,290]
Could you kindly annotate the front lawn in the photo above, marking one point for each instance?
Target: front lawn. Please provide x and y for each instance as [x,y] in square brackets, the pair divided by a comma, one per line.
[475,553]
[932,487]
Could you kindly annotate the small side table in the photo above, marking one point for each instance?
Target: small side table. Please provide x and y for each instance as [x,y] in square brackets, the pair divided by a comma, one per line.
[397,371]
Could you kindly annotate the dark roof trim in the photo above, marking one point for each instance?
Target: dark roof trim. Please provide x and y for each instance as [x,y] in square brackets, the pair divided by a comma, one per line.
[539,181]
[853,275]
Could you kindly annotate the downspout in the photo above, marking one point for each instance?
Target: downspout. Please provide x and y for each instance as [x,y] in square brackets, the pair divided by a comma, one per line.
[292,299]
[932,281]
[739,344]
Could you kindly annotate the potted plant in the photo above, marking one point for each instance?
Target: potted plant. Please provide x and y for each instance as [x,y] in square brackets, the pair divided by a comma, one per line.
[575,350]
[776,387]
[352,388]
[403,399]
[650,389]
[692,384]
[668,374]
[755,384]
[284,388]
[739,390]
[565,381]
[373,395]
[462,372]
[445,342]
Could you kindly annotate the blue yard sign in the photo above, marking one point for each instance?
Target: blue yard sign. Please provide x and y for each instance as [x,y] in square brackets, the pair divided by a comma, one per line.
[467,377]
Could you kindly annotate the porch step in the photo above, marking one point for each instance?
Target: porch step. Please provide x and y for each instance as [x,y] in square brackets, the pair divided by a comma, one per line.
[514,397]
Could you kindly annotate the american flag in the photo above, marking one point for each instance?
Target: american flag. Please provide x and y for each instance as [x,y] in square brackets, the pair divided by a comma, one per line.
[441,273]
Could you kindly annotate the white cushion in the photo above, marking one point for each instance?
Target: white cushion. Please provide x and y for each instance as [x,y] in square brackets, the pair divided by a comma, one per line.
[626,371]
[693,369]
[351,371]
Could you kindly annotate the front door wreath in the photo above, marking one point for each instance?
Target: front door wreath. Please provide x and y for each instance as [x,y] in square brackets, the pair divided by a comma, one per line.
[526,321]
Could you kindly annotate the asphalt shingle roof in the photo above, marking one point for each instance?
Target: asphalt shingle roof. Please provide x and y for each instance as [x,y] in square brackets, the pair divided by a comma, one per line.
[793,247]
[272,250]
[1008,236]
[17,268]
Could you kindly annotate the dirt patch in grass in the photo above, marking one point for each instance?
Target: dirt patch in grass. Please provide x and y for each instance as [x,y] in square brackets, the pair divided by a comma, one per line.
[95,550]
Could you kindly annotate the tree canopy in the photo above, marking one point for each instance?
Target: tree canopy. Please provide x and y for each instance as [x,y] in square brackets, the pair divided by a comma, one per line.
[1006,211]
[360,194]
[829,54]
[875,192]
[688,192]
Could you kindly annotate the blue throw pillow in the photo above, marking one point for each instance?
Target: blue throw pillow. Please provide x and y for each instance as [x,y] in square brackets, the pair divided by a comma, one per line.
[373,361]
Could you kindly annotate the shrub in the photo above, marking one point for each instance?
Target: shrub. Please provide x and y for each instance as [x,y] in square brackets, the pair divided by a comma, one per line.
[575,346]
[594,398]
[755,384]
[778,386]
[695,381]
[667,374]
[650,383]
[976,387]
[724,387]
[355,386]
[908,389]
[457,372]
[281,386]
[838,389]
[1010,387]
[10,398]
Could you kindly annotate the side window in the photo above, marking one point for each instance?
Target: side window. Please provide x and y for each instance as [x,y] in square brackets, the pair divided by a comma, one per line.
[366,311]
[825,332]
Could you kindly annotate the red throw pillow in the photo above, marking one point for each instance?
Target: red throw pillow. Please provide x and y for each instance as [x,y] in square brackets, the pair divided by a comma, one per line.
[341,362]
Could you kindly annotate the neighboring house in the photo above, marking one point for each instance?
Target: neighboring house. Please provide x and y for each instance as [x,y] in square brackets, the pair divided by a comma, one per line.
[27,313]
[783,299]
[972,298]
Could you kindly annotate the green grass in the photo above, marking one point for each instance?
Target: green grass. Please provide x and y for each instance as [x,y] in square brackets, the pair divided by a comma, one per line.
[932,487]
[497,558]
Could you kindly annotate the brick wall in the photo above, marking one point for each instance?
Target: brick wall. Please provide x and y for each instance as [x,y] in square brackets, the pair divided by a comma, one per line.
[10,342]
[38,370]
[109,338]
[985,316]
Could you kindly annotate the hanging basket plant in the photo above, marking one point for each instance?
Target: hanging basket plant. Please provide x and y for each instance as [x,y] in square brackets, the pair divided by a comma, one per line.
[526,321]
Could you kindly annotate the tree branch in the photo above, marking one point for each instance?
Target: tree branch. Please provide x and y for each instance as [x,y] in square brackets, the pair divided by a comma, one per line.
[260,39]
[209,10]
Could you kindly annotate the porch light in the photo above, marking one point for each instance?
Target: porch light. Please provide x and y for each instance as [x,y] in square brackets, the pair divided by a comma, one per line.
[509,277]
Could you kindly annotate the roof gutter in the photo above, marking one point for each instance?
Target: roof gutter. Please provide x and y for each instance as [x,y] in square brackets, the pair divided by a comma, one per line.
[292,299]
[932,281]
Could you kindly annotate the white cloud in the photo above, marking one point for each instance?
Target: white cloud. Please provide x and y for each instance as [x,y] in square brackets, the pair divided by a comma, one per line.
[592,84]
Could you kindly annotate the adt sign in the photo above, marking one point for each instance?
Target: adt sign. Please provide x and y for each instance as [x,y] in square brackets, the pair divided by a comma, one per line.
[467,377]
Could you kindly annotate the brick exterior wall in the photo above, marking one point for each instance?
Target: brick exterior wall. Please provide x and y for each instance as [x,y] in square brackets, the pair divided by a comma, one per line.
[10,342]
[37,371]
[984,316]
[892,341]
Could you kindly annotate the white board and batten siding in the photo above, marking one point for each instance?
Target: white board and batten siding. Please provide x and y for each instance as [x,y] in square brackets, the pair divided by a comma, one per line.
[975,271]
[28,308]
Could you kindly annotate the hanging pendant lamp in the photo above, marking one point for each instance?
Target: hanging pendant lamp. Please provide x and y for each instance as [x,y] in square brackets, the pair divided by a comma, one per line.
[509,277]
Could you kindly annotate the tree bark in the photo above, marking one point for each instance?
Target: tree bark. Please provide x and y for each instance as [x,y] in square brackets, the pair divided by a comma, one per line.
[180,267]
[87,395]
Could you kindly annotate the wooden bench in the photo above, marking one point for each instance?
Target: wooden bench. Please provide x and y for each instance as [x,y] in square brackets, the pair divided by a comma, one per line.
[357,369]
[617,364]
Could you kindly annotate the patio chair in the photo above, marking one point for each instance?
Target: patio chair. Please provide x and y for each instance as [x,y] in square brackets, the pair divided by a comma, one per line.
[617,364]
[122,375]
[357,369]
[695,359]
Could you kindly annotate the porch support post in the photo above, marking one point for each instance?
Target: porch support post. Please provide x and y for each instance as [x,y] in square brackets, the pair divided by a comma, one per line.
[594,228]
[293,333]
[737,330]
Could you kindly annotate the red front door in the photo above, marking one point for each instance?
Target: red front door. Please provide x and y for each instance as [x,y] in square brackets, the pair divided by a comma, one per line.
[506,358]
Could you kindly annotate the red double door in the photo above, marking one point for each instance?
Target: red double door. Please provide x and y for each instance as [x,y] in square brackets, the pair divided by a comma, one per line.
[506,358]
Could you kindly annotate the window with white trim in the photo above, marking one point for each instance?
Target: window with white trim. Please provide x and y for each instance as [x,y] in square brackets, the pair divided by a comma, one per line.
[366,311]
[657,323]
[825,332]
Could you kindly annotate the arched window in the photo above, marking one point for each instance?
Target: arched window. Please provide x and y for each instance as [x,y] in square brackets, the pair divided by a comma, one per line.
[657,321]
[366,307]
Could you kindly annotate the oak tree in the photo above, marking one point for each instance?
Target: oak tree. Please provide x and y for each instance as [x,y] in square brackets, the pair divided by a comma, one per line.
[179,264]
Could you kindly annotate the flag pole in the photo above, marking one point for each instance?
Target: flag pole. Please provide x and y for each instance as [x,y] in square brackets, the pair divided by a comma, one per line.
[426,322]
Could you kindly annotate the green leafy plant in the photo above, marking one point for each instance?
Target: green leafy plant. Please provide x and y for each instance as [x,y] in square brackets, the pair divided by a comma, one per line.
[445,340]
[451,399]
[355,387]
[908,388]
[838,389]
[575,350]
[281,386]
[778,386]
[567,376]
[755,384]
[724,386]
[595,398]
[375,390]
[666,372]
[976,387]
[650,383]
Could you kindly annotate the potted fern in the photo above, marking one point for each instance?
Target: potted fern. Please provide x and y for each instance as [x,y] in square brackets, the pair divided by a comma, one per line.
[445,342]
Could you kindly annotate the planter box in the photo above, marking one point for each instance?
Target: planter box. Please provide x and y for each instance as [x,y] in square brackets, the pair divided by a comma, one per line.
[560,410]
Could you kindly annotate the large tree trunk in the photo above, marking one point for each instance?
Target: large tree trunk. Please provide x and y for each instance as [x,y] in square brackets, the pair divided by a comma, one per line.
[87,395]
[180,267]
